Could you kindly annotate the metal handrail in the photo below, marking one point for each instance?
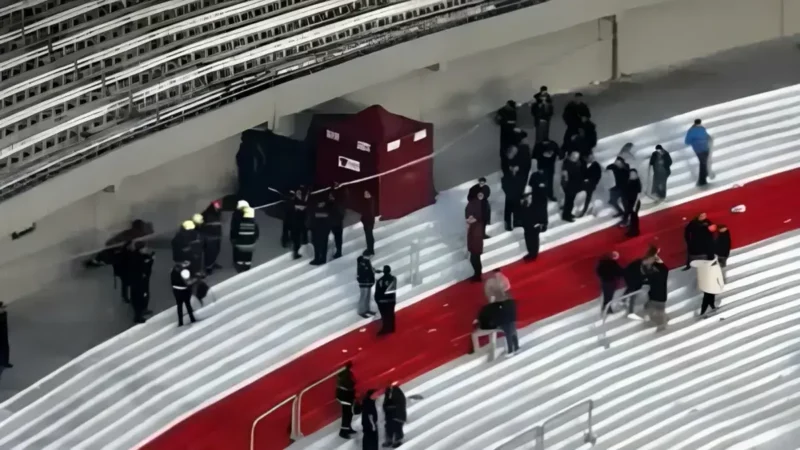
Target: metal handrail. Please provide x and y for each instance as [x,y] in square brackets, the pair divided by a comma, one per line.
[601,336]
[293,399]
[297,431]
[539,430]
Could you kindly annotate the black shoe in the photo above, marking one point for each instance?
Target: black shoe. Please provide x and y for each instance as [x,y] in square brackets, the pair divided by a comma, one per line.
[8,366]
[365,315]
[486,236]
[296,256]
[371,313]
[476,278]
[386,444]
[686,268]
[139,320]
[529,258]
[568,219]
[397,444]
[316,263]
[368,253]
[337,255]
[508,227]
[552,199]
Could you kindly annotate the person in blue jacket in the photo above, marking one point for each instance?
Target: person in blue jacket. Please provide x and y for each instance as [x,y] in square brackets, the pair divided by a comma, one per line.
[698,138]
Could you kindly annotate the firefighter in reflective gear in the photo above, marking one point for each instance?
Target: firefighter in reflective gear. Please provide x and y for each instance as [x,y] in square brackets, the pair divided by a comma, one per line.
[141,267]
[346,396]
[182,286]
[385,297]
[243,240]
[394,411]
[211,233]
[187,246]
[237,214]
[320,229]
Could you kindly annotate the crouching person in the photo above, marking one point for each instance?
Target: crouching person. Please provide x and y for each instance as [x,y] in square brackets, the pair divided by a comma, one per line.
[486,324]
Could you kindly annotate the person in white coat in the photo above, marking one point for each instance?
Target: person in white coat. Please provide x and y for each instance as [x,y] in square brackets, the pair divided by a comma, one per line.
[710,281]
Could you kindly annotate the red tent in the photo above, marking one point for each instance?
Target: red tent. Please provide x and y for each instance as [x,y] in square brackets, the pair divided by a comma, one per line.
[373,142]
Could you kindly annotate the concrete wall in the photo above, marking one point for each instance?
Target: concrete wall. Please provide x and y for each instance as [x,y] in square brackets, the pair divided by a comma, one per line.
[565,44]
[165,195]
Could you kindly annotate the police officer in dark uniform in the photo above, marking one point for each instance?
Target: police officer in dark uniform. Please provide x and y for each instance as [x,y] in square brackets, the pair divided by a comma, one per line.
[5,349]
[368,221]
[545,154]
[243,240]
[298,216]
[346,396]
[336,211]
[542,113]
[121,264]
[394,411]
[369,422]
[141,268]
[534,221]
[515,168]
[211,234]
[571,183]
[182,286]
[320,229]
[286,225]
[506,118]
[485,206]
[386,298]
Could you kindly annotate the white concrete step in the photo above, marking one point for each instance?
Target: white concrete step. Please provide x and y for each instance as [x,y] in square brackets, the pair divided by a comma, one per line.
[130,387]
[701,384]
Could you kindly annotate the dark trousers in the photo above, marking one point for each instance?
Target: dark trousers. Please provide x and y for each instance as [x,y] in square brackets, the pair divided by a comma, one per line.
[510,332]
[394,431]
[140,298]
[589,194]
[548,183]
[297,238]
[615,194]
[486,212]
[211,247]
[386,308]
[512,203]
[708,302]
[475,260]
[370,440]
[347,421]
[184,298]
[125,284]
[542,130]
[532,242]
[337,231]
[569,203]
[5,351]
[320,238]
[702,159]
[633,224]
[242,258]
[286,233]
[608,288]
[368,226]
[723,261]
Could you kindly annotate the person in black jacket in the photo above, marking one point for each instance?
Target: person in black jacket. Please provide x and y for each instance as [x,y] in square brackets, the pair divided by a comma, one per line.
[211,234]
[182,287]
[636,274]
[320,229]
[506,118]
[589,133]
[609,271]
[365,275]
[5,350]
[534,221]
[699,240]
[543,96]
[386,298]
[508,323]
[394,412]
[656,304]
[121,264]
[630,198]
[591,178]
[141,268]
[369,422]
[187,246]
[545,154]
[574,110]
[368,221]
[722,245]
[515,175]
[621,171]
[571,183]
[575,141]
[336,213]
[298,220]
[542,113]
[243,240]
[660,169]
[485,206]
[346,396]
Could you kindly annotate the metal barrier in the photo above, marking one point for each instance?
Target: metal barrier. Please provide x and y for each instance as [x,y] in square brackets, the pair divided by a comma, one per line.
[536,434]
[297,405]
[292,399]
[628,304]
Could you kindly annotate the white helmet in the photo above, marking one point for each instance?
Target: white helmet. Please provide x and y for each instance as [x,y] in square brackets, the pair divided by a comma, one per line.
[241,204]
[188,225]
[249,213]
[198,219]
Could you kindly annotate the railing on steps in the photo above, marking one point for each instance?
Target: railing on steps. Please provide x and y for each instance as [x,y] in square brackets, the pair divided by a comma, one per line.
[628,301]
[296,430]
[534,437]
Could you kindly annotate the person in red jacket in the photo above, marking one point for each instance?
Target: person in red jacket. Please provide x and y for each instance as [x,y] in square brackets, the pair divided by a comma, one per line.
[474,216]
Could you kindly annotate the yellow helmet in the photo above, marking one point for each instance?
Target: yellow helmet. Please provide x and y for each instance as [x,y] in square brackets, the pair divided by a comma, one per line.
[198,219]
[188,225]
[241,204]
[249,213]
